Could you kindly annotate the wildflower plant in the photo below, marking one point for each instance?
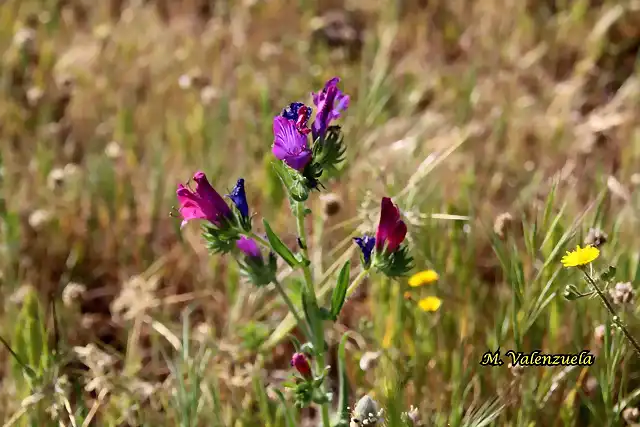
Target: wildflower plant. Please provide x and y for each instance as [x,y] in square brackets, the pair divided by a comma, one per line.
[583,258]
[305,154]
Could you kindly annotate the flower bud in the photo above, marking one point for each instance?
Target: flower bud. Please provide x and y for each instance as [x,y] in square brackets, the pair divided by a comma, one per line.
[301,364]
[571,293]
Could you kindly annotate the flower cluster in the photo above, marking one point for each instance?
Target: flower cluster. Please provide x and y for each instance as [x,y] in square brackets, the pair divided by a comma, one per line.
[307,148]
[386,250]
[306,388]
[422,278]
[306,162]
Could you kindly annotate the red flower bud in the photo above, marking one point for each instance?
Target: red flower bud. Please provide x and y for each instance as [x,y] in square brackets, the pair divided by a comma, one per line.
[300,362]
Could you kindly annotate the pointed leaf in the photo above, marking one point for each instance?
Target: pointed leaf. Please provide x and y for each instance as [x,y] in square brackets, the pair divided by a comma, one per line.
[340,291]
[343,396]
[279,247]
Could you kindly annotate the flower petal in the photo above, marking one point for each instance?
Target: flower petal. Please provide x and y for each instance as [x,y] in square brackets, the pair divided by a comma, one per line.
[430,304]
[248,246]
[211,196]
[423,278]
[239,198]
[289,144]
[391,227]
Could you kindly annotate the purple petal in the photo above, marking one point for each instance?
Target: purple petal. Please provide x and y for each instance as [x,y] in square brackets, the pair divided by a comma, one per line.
[289,144]
[248,246]
[207,193]
[299,161]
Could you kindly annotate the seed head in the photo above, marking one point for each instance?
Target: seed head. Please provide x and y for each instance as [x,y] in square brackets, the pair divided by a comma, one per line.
[34,95]
[631,415]
[366,413]
[72,292]
[516,370]
[39,218]
[331,204]
[501,224]
[413,416]
[623,293]
[369,360]
[113,150]
[598,334]
[595,237]
[55,178]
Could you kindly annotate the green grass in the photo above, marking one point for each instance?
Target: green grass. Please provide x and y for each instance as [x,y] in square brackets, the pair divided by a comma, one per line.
[460,111]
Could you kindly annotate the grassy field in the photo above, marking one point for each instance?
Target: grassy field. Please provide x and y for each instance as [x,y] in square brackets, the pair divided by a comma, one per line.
[505,131]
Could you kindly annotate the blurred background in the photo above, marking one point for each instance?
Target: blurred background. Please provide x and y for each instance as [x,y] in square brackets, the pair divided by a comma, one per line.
[504,129]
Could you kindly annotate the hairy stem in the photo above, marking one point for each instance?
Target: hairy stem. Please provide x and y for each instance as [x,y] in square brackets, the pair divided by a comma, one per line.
[316,328]
[612,311]
[356,282]
[302,235]
[259,239]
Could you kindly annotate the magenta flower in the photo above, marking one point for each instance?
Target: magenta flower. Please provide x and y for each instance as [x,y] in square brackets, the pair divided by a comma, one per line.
[331,101]
[391,229]
[249,247]
[203,203]
[301,364]
[290,145]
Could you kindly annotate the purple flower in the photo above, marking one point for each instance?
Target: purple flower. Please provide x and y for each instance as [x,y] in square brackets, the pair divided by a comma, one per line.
[249,247]
[391,229]
[203,203]
[366,244]
[331,101]
[239,198]
[289,144]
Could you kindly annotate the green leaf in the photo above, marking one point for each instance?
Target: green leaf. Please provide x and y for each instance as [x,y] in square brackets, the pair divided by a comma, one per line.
[340,291]
[326,314]
[343,396]
[279,247]
[289,416]
[608,274]
[293,180]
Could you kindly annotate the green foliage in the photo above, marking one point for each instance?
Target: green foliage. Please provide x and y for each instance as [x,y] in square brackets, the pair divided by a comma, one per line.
[395,264]
[340,291]
[219,240]
[30,341]
[279,247]
[295,183]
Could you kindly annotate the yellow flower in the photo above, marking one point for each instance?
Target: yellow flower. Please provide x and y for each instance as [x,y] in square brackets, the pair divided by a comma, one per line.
[430,304]
[580,256]
[423,278]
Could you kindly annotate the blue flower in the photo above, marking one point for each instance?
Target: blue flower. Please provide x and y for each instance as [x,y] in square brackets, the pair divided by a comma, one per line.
[366,243]
[239,198]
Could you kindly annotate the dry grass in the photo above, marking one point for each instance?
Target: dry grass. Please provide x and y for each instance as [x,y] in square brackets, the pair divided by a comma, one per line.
[459,108]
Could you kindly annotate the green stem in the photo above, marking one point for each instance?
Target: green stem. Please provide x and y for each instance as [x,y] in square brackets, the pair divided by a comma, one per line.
[302,235]
[612,312]
[316,327]
[356,282]
[259,239]
[292,309]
